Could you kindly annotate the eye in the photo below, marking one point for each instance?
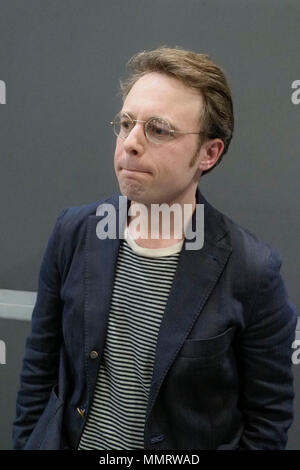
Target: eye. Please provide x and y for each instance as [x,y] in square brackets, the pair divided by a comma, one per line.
[125,123]
[159,129]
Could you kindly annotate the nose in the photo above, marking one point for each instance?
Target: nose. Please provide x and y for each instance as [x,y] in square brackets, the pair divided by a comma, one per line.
[135,141]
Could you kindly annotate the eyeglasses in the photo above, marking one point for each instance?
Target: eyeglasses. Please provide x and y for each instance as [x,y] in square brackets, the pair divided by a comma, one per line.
[156,129]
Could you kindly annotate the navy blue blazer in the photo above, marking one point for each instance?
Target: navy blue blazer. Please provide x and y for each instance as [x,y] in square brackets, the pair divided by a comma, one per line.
[222,376]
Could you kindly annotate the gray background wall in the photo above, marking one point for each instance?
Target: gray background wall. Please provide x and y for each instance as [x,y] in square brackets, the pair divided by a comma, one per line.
[61,61]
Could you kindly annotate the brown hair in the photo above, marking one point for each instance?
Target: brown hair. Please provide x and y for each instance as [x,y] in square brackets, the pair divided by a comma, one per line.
[197,71]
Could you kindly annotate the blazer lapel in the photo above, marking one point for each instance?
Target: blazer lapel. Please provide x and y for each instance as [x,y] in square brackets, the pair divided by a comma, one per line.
[196,275]
[100,263]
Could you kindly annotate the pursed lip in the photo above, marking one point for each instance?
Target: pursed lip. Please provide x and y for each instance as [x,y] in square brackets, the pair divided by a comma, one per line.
[134,170]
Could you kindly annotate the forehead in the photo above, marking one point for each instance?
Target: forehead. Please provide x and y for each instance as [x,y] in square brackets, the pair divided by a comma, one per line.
[156,94]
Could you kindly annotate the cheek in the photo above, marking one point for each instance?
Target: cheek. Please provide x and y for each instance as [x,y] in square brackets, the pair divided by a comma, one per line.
[118,152]
[176,163]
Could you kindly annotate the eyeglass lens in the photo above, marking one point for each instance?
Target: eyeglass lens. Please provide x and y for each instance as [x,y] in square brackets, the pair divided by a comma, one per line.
[156,129]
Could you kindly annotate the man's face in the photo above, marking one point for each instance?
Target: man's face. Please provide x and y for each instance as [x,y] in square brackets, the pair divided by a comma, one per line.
[151,173]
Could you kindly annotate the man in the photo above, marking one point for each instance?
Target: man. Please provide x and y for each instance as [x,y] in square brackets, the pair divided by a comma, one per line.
[138,342]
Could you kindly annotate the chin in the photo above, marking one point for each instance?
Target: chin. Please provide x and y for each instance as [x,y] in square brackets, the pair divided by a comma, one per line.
[132,190]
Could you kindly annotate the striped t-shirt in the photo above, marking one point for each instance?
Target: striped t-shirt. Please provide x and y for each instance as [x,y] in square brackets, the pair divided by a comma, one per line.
[143,280]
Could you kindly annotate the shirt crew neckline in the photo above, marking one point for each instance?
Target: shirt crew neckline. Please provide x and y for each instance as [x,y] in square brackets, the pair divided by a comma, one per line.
[151,252]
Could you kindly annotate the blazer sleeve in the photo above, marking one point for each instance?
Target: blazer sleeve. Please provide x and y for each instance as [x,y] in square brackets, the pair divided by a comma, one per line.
[264,357]
[39,372]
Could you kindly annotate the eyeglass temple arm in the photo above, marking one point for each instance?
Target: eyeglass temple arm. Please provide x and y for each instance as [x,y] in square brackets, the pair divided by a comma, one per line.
[181,132]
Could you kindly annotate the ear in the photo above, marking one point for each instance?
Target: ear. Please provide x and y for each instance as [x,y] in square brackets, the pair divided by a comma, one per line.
[210,152]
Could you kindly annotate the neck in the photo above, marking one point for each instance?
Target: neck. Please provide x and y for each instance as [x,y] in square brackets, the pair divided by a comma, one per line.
[159,225]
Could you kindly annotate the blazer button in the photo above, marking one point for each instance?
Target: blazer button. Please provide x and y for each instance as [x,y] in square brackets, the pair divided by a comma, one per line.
[81,411]
[93,354]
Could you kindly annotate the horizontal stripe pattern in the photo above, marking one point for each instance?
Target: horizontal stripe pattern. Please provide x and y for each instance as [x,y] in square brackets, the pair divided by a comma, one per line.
[141,288]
